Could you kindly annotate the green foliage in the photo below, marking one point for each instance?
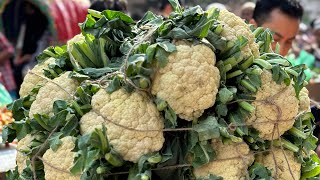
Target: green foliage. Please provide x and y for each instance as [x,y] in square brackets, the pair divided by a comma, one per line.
[258,171]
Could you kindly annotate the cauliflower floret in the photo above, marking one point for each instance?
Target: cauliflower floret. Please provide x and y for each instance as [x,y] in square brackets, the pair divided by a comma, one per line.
[272,100]
[135,111]
[62,159]
[23,145]
[281,163]
[91,121]
[232,161]
[51,92]
[31,80]
[304,100]
[190,81]
[235,27]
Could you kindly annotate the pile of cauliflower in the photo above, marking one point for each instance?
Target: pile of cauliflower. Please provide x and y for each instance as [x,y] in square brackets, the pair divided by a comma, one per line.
[191,93]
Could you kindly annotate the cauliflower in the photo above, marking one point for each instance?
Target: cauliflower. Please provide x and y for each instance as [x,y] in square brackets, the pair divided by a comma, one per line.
[270,98]
[235,27]
[190,81]
[31,80]
[304,100]
[281,163]
[23,145]
[62,159]
[232,161]
[133,110]
[52,92]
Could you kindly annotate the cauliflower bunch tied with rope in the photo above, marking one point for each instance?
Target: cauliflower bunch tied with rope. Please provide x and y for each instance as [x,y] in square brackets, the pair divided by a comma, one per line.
[270,112]
[195,96]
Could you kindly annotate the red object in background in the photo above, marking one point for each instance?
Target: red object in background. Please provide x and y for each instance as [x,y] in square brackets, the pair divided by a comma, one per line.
[63,15]
[67,15]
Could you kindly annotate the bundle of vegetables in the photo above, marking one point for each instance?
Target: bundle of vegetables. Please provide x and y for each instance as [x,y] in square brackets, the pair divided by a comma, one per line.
[195,96]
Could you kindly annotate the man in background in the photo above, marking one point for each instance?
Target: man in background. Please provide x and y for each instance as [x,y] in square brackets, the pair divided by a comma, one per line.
[280,16]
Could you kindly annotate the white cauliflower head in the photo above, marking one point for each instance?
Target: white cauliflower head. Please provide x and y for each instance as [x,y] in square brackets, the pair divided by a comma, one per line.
[190,80]
[31,80]
[273,100]
[133,110]
[23,145]
[62,159]
[51,92]
[235,27]
[283,172]
[232,161]
[304,100]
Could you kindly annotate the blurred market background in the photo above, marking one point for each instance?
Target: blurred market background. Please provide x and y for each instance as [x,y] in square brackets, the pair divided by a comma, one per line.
[31,25]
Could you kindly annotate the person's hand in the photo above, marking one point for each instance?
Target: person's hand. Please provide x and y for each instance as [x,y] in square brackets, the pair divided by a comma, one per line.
[318,150]
[24,58]
[17,60]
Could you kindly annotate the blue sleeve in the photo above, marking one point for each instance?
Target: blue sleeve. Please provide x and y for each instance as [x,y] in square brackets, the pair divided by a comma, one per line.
[316,113]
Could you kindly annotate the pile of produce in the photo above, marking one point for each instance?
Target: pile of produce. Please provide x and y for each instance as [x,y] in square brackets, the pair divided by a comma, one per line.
[5,117]
[199,95]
